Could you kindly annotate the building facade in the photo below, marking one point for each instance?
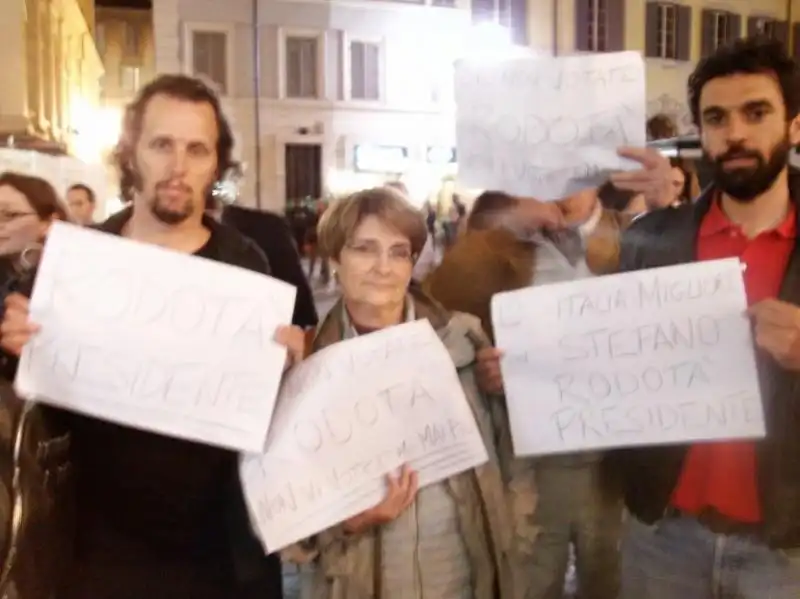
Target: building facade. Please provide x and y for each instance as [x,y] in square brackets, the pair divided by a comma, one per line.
[327,96]
[124,39]
[672,35]
[50,76]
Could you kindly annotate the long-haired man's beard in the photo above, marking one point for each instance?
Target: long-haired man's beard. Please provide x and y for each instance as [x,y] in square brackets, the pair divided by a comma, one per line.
[166,209]
[745,184]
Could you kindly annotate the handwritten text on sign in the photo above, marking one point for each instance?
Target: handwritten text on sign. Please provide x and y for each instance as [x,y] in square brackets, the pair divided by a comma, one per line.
[547,127]
[155,339]
[642,358]
[348,416]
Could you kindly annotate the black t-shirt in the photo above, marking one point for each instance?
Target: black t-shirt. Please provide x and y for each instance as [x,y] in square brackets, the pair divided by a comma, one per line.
[152,511]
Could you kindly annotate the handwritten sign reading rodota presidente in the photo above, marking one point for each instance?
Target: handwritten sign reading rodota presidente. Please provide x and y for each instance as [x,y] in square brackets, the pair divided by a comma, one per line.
[348,416]
[547,127]
[155,339]
[642,358]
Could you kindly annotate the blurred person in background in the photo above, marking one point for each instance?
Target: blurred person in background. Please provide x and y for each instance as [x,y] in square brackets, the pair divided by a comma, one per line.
[312,244]
[682,181]
[428,257]
[297,216]
[82,203]
[661,126]
[35,550]
[430,220]
[448,540]
[272,234]
[28,206]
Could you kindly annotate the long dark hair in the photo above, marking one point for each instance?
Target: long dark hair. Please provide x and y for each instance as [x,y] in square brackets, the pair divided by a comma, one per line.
[180,87]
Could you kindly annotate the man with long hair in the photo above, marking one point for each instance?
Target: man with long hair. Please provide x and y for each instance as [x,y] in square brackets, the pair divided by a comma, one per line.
[160,517]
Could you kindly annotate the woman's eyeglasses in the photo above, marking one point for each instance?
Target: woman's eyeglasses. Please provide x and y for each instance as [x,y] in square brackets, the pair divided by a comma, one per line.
[6,216]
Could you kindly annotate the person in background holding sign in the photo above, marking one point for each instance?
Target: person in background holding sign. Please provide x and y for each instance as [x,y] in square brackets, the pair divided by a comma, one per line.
[507,246]
[448,540]
[512,243]
[160,517]
[723,519]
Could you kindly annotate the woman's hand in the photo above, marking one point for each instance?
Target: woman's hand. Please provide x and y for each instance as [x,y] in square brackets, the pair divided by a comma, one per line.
[293,338]
[401,492]
[16,329]
[487,370]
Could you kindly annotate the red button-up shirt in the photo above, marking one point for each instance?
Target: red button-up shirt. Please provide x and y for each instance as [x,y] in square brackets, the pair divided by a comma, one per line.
[722,476]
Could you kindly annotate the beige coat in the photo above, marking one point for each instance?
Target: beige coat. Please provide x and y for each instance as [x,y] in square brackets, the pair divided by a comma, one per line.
[348,567]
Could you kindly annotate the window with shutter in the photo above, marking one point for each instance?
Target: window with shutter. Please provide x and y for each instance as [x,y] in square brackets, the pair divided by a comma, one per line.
[597,25]
[581,25]
[766,27]
[782,31]
[683,32]
[719,28]
[721,34]
[210,57]
[518,21]
[365,71]
[131,37]
[734,27]
[484,11]
[667,31]
[301,67]
[615,25]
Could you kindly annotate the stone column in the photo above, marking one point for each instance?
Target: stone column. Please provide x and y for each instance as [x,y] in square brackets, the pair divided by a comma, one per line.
[34,54]
[13,75]
[48,64]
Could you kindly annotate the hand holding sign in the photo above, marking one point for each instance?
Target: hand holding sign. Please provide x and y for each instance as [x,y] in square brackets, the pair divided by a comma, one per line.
[653,179]
[777,331]
[16,329]
[293,338]
[548,127]
[401,493]
[490,380]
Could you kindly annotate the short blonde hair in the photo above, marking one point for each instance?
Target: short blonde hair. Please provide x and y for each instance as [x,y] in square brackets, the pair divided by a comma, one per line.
[340,221]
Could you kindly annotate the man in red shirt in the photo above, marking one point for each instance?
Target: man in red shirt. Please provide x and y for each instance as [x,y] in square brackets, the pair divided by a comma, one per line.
[723,519]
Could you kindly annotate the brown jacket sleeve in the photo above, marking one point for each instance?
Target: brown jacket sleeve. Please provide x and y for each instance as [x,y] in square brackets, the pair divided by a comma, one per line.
[479,265]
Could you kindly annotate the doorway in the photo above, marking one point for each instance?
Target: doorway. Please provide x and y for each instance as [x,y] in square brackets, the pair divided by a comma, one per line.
[303,176]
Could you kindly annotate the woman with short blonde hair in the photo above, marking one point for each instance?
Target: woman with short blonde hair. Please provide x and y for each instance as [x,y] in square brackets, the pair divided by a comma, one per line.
[417,543]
